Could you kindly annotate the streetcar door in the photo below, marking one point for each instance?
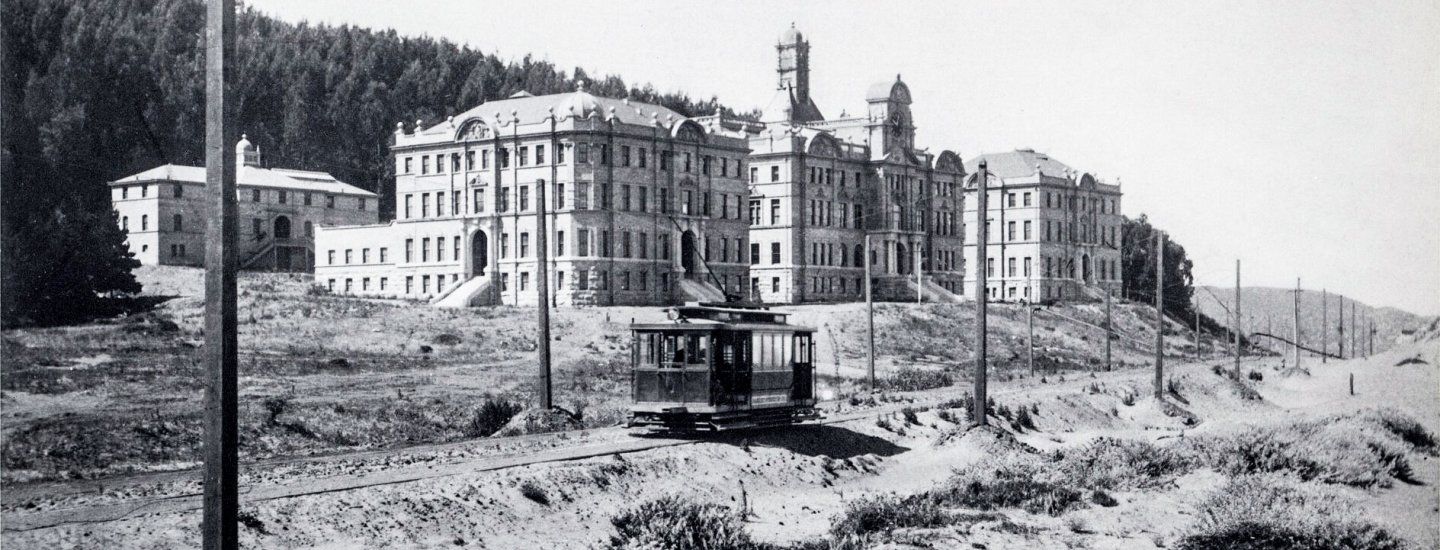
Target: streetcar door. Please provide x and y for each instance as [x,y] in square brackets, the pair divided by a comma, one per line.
[804,387]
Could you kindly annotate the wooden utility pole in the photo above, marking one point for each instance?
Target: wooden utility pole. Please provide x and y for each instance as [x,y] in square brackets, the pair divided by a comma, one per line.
[1340,318]
[1324,325]
[221,498]
[1296,332]
[981,292]
[919,283]
[542,289]
[869,321]
[1159,314]
[1030,340]
[1239,350]
[1371,347]
[1197,329]
[1109,333]
[1353,329]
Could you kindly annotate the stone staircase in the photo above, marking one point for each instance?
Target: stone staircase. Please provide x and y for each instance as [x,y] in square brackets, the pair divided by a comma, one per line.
[475,291]
[696,290]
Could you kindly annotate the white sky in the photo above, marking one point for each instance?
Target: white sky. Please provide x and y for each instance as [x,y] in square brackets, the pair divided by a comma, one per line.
[1300,137]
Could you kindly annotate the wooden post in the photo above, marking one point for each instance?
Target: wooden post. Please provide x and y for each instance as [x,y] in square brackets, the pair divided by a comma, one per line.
[1324,325]
[1238,349]
[1197,330]
[1030,340]
[981,292]
[1296,329]
[1353,330]
[1340,318]
[221,498]
[869,321]
[1109,332]
[542,290]
[1352,381]
[1371,347]
[1159,314]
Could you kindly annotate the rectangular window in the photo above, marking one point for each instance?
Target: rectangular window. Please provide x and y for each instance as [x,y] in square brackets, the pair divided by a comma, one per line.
[479,201]
[524,156]
[625,157]
[424,205]
[582,244]
[643,157]
[524,198]
[504,245]
[504,199]
[644,245]
[559,196]
[440,249]
[409,251]
[254,195]
[383,253]
[539,154]
[1027,230]
[774,253]
[560,153]
[774,174]
[469,165]
[559,243]
[440,204]
[407,164]
[409,284]
[424,249]
[329,201]
[330,257]
[348,254]
[524,245]
[664,200]
[774,211]
[624,196]
[425,164]
[582,153]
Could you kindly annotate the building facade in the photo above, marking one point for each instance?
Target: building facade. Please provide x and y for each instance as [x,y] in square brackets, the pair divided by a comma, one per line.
[644,206]
[1053,232]
[163,210]
[819,187]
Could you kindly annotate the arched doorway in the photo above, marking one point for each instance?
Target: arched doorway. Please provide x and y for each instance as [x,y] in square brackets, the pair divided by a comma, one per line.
[687,253]
[282,227]
[479,256]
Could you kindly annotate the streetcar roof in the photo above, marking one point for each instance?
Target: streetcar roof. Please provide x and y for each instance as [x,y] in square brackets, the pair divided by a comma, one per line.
[708,325]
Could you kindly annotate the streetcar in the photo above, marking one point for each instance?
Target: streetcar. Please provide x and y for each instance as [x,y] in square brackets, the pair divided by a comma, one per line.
[721,366]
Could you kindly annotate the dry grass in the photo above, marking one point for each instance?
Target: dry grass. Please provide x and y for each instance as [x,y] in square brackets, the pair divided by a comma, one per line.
[1269,511]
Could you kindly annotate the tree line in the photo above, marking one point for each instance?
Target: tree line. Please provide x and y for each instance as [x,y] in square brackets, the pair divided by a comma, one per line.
[94,90]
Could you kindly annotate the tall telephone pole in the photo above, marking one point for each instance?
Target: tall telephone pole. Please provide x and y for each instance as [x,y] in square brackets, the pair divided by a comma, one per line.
[1197,329]
[1324,325]
[1296,332]
[1340,318]
[869,321]
[1159,314]
[221,482]
[1030,338]
[1239,350]
[1353,329]
[1108,331]
[982,252]
[542,290]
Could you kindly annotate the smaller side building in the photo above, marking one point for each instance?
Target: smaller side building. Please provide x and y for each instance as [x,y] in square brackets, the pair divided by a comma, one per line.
[1053,232]
[163,211]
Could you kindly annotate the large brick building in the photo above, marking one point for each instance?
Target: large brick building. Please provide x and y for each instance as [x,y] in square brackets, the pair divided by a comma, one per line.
[644,206]
[1054,232]
[163,211]
[818,186]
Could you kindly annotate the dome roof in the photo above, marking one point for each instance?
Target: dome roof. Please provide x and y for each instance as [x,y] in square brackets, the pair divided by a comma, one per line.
[791,35]
[579,104]
[244,146]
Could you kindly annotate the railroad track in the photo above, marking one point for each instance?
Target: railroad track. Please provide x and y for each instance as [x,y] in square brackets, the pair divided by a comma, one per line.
[417,471]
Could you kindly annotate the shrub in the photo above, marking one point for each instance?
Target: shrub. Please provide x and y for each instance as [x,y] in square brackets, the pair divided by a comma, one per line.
[491,416]
[910,416]
[1128,399]
[446,339]
[1259,512]
[1256,376]
[1350,449]
[914,379]
[1103,498]
[1407,429]
[534,492]
[674,523]
[885,513]
[1023,419]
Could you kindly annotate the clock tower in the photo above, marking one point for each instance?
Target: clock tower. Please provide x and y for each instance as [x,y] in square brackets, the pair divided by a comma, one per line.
[891,126]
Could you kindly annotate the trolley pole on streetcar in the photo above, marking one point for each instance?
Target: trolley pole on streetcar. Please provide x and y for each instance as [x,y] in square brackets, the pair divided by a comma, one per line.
[1159,314]
[981,297]
[869,321]
[542,289]
[221,499]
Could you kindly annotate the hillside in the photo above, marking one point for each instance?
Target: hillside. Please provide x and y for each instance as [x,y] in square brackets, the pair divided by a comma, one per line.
[1274,309]
[322,373]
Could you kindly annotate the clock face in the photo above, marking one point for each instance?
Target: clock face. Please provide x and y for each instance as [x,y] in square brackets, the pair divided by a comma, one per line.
[897,124]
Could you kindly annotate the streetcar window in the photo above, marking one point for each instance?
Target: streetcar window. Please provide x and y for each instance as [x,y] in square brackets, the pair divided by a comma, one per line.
[674,354]
[696,349]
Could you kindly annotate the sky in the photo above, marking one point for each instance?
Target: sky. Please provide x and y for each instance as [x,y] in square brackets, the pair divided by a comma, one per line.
[1302,138]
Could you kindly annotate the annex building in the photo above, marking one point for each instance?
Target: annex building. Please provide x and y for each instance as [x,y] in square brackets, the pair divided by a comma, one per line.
[643,206]
[1053,232]
[163,211]
[818,187]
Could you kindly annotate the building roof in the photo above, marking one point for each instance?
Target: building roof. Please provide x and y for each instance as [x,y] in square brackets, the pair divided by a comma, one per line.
[785,107]
[580,103]
[1019,163]
[300,180]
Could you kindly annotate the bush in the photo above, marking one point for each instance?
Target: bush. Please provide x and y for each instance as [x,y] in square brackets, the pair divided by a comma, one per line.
[1407,429]
[1261,512]
[1256,376]
[446,339]
[1351,449]
[534,492]
[1023,420]
[914,379]
[674,523]
[911,417]
[885,513]
[491,416]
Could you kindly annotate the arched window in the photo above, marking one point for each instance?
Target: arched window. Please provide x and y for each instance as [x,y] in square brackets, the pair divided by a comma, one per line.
[125,223]
[179,220]
[282,227]
[859,255]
